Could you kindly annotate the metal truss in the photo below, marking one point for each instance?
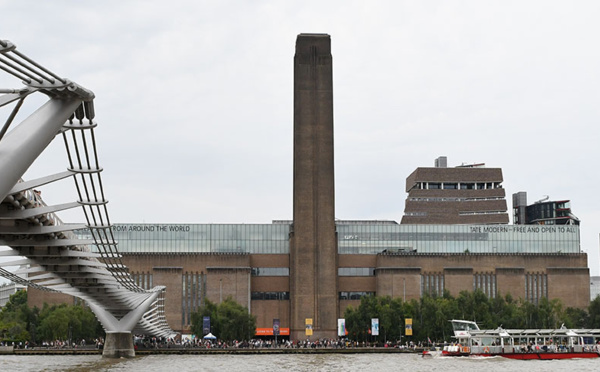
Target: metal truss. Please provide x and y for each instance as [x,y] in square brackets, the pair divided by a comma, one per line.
[52,255]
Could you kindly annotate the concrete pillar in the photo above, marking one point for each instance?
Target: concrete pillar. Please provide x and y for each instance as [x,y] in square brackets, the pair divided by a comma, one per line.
[313,243]
[118,345]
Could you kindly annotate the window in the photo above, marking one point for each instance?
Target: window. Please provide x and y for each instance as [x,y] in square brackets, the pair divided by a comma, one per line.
[536,287]
[270,295]
[486,283]
[356,271]
[432,284]
[270,271]
[354,295]
[192,294]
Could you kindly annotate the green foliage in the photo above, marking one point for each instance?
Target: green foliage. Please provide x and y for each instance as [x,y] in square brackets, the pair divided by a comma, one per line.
[574,318]
[18,322]
[594,313]
[389,311]
[229,320]
[54,323]
[16,318]
[431,315]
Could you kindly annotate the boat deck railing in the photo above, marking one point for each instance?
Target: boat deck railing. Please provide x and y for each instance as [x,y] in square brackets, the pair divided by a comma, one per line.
[533,349]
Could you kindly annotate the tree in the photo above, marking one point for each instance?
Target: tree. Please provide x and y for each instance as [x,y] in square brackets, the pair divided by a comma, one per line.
[15,301]
[54,323]
[209,310]
[594,313]
[229,320]
[575,318]
[16,318]
[391,313]
[431,315]
[505,311]
[353,321]
[62,322]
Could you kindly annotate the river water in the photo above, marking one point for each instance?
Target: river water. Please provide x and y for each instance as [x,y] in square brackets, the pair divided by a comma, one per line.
[289,362]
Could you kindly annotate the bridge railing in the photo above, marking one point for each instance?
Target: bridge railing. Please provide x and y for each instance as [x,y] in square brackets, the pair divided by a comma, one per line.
[107,282]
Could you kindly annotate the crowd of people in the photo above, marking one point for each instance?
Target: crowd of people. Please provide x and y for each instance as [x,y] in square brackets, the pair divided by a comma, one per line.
[156,343]
[141,342]
[56,344]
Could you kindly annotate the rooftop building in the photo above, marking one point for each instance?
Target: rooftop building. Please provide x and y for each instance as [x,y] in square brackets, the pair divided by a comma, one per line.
[542,212]
[467,194]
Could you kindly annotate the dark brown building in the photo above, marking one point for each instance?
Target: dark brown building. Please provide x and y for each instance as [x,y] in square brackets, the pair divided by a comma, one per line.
[252,264]
[542,212]
[467,194]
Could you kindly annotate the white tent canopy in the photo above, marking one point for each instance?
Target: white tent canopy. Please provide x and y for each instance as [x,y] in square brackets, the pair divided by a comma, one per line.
[210,336]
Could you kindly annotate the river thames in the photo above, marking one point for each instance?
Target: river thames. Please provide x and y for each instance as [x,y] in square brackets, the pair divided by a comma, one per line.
[287,362]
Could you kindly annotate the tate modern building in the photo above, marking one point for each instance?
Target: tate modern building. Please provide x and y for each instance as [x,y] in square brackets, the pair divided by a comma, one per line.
[454,236]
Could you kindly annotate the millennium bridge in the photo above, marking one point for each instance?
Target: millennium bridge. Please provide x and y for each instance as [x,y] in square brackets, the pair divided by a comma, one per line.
[48,253]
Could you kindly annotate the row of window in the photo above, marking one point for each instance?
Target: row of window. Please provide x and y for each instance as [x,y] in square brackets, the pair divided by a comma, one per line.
[485,282]
[356,271]
[467,213]
[364,239]
[536,287]
[202,231]
[358,238]
[142,279]
[208,246]
[193,290]
[354,295]
[458,185]
[194,293]
[416,214]
[270,271]
[270,295]
[432,284]
[439,199]
[480,213]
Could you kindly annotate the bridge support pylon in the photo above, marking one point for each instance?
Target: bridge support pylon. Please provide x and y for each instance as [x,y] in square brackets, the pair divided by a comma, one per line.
[119,340]
[118,345]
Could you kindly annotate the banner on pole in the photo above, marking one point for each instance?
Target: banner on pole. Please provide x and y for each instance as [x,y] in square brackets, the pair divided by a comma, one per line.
[308,326]
[341,327]
[275,327]
[408,327]
[206,325]
[375,326]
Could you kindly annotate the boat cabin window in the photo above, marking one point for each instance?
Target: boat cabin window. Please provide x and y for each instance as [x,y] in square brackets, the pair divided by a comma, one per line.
[485,341]
[464,326]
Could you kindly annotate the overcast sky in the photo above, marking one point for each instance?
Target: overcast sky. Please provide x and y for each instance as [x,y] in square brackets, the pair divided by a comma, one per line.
[194,100]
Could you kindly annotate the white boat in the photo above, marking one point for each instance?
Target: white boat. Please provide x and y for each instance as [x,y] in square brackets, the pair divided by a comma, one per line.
[561,343]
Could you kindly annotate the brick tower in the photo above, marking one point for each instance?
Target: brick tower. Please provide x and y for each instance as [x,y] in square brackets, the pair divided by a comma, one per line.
[313,245]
